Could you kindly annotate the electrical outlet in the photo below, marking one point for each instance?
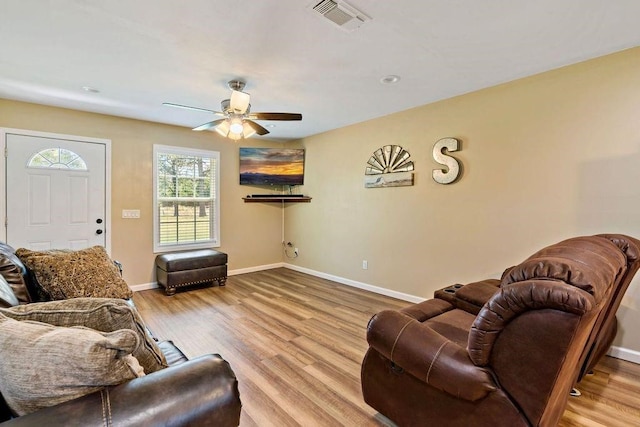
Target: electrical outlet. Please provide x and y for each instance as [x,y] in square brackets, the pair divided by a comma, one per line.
[295,251]
[365,264]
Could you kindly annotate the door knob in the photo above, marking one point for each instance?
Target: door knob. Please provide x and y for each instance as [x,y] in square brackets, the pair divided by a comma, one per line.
[98,231]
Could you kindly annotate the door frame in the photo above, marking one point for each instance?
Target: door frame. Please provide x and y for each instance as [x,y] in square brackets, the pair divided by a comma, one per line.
[5,132]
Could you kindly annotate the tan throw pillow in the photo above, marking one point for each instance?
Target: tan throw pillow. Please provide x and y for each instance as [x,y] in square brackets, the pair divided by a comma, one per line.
[101,314]
[44,365]
[84,273]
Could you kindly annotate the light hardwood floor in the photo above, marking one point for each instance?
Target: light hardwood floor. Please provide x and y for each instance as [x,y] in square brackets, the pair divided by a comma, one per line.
[296,343]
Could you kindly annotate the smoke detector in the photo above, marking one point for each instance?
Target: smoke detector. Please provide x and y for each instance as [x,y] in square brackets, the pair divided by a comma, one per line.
[340,13]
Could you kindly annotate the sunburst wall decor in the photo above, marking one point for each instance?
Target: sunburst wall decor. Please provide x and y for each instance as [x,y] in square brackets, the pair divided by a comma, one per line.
[389,166]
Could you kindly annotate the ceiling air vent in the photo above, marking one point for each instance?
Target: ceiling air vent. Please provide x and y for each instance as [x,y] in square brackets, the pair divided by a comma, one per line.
[340,13]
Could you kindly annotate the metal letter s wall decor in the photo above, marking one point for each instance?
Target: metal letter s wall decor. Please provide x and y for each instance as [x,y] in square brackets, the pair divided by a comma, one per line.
[389,166]
[446,176]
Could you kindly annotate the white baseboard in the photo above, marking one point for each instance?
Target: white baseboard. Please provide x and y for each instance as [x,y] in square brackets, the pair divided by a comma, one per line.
[356,284]
[256,268]
[625,354]
[154,285]
[144,286]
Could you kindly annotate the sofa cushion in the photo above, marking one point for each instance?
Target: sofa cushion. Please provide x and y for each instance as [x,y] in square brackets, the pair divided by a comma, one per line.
[101,314]
[84,273]
[43,365]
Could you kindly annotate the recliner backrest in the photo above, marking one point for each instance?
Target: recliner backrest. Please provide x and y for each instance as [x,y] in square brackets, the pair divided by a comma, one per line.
[590,263]
[606,332]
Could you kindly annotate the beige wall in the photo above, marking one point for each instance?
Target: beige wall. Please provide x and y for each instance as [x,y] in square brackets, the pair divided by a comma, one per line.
[251,234]
[545,158]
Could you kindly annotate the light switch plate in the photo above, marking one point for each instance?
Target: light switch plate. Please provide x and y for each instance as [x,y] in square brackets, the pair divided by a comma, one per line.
[131,213]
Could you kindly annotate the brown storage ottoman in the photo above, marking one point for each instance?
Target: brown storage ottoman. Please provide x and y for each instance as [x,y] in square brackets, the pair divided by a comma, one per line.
[180,269]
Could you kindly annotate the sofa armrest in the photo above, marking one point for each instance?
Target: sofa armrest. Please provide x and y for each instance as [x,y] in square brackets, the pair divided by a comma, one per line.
[201,391]
[428,356]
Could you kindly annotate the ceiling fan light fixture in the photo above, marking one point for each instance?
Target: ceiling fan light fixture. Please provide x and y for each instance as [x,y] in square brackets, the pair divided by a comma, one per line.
[223,128]
[236,126]
[234,136]
[248,131]
[239,101]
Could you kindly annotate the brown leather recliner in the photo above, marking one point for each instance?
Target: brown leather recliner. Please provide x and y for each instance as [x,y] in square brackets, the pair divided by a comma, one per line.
[513,363]
[473,296]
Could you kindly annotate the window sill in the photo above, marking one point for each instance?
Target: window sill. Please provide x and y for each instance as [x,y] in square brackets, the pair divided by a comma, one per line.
[174,248]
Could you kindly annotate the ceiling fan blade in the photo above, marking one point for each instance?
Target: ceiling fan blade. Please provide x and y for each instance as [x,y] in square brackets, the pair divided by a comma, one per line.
[186,107]
[209,125]
[239,101]
[259,129]
[276,116]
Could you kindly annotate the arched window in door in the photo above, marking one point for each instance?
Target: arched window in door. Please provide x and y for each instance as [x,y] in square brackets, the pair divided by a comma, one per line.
[57,158]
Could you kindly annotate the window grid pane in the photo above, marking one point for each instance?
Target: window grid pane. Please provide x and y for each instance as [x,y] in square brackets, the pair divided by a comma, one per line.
[57,158]
[186,194]
[183,222]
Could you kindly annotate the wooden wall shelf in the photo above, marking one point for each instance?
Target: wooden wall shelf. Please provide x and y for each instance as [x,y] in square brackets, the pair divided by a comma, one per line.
[277,199]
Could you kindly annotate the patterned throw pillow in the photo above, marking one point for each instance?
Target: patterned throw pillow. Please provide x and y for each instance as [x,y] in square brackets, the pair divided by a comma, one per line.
[44,365]
[101,314]
[74,274]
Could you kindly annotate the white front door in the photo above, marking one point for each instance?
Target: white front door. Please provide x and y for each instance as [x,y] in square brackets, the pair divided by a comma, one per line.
[55,192]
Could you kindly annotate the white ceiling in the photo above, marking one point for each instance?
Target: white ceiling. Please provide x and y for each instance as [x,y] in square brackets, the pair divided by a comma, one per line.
[141,53]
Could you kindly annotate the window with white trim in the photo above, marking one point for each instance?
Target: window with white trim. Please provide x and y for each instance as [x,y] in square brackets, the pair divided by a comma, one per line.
[186,198]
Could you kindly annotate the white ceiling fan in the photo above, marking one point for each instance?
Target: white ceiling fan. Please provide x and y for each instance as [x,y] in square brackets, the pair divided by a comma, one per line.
[238,121]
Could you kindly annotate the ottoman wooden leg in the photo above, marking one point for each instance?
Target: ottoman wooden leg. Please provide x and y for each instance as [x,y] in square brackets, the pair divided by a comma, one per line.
[170,291]
[222,281]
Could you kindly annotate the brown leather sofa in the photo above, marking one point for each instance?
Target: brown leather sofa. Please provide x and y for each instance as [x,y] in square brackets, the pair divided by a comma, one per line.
[202,391]
[514,361]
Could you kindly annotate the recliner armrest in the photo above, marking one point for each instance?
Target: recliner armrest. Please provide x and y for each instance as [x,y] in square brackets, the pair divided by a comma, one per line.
[470,297]
[202,391]
[428,356]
